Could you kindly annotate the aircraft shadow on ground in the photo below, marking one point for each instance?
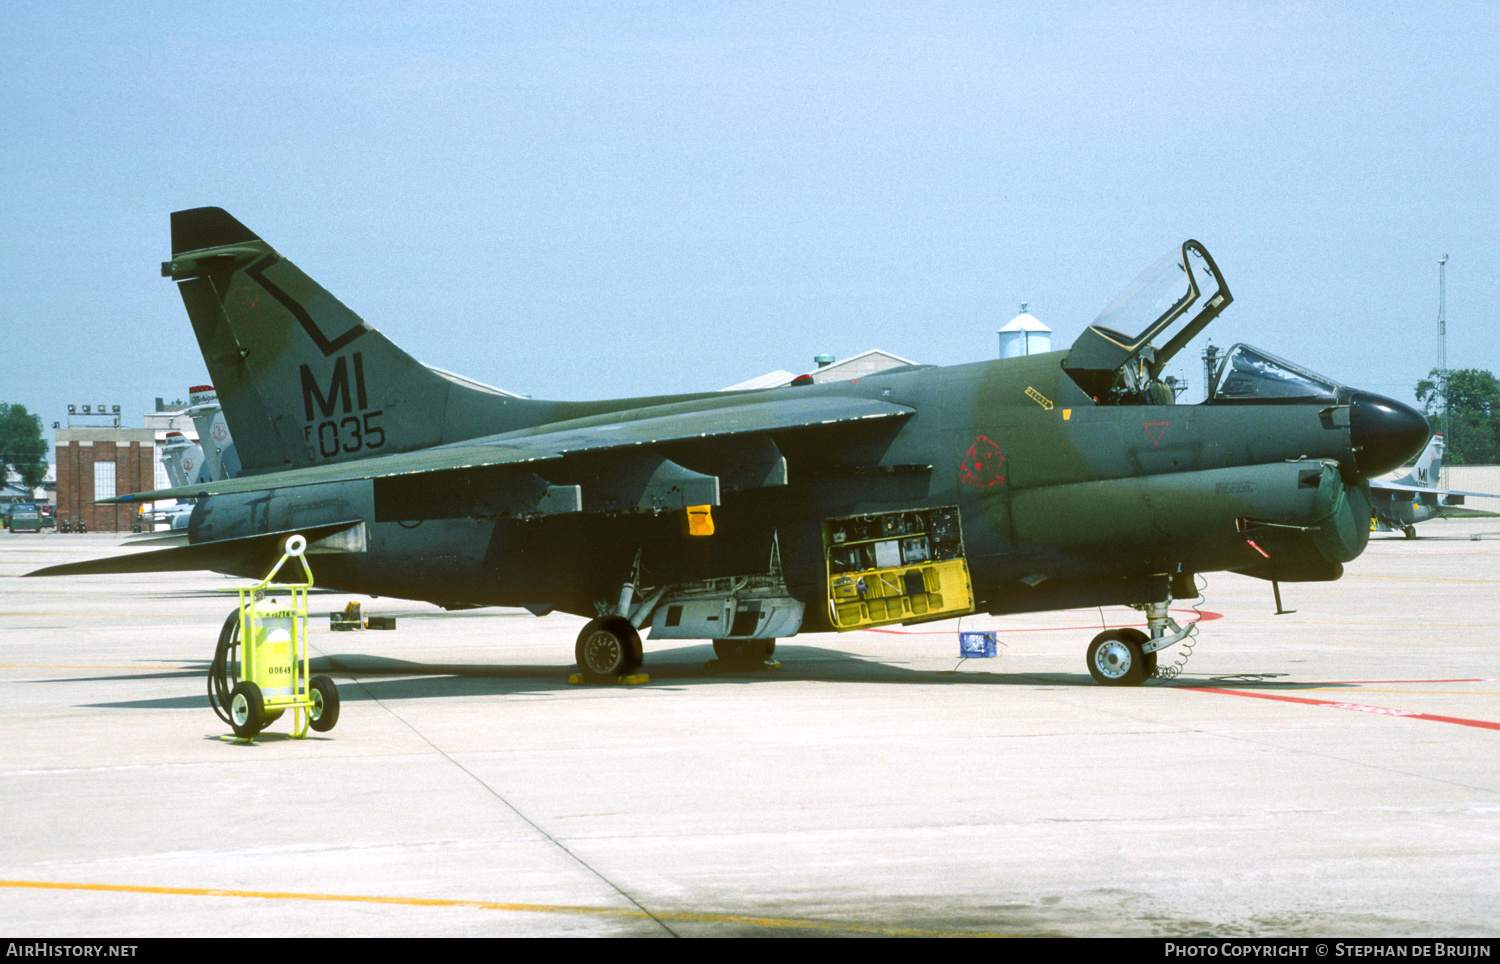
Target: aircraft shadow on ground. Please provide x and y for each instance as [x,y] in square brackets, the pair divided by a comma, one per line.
[362,677]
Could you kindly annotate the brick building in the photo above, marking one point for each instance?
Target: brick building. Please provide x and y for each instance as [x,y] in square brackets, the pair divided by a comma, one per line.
[96,463]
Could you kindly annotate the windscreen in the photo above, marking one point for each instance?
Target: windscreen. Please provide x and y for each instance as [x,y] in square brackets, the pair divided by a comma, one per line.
[1250,374]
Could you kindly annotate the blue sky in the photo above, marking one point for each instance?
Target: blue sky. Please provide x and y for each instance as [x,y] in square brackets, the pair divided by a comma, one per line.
[586,200]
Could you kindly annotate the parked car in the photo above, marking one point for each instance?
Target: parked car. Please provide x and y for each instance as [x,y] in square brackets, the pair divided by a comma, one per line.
[25,517]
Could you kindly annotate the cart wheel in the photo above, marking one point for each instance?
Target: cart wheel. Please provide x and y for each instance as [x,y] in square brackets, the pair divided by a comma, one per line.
[247,709]
[325,704]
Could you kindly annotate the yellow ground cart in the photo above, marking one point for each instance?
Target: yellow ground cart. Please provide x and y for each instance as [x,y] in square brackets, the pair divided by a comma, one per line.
[260,668]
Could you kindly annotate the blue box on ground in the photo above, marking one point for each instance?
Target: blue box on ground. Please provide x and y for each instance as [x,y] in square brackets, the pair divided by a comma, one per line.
[978,645]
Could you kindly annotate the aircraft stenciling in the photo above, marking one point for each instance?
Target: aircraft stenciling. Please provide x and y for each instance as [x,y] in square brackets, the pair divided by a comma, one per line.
[358,428]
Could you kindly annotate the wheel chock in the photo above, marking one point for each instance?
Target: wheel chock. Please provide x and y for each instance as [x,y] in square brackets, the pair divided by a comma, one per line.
[634,679]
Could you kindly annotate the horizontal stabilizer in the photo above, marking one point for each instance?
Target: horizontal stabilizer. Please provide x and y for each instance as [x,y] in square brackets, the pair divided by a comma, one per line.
[249,553]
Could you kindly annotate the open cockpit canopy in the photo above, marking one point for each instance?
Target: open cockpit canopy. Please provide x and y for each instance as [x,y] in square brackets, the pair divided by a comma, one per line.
[1175,299]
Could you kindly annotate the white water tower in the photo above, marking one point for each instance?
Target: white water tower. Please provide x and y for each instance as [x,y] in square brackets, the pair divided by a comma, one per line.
[1024,335]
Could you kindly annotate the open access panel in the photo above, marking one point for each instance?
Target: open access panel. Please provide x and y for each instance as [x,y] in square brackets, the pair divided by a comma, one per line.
[896,567]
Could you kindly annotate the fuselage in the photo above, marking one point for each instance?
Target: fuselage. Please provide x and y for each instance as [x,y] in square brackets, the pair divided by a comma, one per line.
[1062,500]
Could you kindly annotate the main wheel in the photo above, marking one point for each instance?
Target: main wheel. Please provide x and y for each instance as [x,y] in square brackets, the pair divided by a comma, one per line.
[325,704]
[607,649]
[744,652]
[247,709]
[1115,658]
[1411,531]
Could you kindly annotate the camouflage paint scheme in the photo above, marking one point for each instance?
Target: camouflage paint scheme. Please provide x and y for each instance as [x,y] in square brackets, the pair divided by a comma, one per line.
[1067,496]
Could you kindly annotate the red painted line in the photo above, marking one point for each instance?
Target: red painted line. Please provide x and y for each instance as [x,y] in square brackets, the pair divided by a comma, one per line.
[1204,616]
[1379,710]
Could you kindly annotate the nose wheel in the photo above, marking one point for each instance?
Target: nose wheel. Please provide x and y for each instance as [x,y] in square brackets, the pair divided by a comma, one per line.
[1116,658]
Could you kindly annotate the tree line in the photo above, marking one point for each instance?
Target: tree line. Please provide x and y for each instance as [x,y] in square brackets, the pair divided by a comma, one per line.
[1473,400]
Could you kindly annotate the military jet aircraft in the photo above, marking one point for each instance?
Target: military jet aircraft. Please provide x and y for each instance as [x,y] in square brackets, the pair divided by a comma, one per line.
[183,460]
[1402,502]
[1042,482]
[220,459]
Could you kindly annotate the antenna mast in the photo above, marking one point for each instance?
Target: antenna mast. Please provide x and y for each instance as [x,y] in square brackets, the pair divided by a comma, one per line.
[1443,355]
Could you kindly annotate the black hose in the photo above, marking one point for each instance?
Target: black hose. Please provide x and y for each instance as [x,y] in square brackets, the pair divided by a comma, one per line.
[224,671]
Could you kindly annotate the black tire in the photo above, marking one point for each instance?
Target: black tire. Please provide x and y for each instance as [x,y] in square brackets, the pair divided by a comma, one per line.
[607,649]
[1115,658]
[744,652]
[247,709]
[324,713]
[1142,638]
[1411,532]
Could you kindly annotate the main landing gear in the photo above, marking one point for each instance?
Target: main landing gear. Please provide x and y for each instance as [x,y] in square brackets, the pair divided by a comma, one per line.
[1127,657]
[608,647]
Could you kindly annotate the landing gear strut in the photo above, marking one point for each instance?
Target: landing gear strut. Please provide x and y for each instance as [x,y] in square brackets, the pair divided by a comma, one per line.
[610,647]
[1127,657]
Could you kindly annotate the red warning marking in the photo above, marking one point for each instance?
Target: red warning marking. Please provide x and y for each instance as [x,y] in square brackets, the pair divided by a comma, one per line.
[1258,548]
[983,466]
[1156,430]
[1204,615]
[1357,707]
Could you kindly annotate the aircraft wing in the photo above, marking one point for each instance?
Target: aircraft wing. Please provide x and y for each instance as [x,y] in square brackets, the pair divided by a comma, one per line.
[609,462]
[1389,486]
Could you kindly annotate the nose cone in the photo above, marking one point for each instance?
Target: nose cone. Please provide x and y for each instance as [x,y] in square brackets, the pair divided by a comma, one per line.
[1384,433]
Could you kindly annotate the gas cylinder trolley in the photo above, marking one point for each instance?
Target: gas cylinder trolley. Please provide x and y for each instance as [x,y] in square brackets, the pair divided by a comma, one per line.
[260,668]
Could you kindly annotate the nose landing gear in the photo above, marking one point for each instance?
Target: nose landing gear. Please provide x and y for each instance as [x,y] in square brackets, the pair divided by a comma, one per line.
[1127,657]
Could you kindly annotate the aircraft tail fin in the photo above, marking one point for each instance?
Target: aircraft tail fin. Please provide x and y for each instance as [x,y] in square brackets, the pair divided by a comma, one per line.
[303,380]
[1427,471]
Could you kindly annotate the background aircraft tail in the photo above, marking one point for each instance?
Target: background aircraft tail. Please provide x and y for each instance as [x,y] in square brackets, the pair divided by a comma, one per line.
[302,379]
[1427,471]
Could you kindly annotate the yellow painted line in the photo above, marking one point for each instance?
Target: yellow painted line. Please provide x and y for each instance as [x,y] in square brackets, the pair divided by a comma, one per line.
[613,912]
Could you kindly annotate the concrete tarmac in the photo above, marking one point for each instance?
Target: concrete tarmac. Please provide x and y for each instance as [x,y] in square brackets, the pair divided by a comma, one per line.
[1331,772]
